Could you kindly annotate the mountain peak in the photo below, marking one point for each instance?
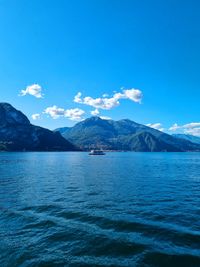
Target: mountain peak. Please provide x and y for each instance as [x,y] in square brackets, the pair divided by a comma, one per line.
[95,118]
[124,134]
[11,116]
[18,134]
[92,120]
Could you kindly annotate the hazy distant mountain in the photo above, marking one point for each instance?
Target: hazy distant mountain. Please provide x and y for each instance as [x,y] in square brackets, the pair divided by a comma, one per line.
[191,138]
[123,135]
[18,134]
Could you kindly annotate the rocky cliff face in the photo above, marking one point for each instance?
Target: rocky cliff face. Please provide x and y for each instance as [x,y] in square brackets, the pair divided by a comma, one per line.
[11,116]
[18,134]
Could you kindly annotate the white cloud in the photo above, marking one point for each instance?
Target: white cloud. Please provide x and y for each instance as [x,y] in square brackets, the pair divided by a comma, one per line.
[193,131]
[174,127]
[192,128]
[55,112]
[192,125]
[34,90]
[77,98]
[72,114]
[157,126]
[36,116]
[105,118]
[95,112]
[133,94]
[106,103]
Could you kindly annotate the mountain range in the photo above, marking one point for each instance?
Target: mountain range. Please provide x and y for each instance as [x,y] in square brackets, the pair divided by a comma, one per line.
[188,137]
[18,134]
[125,135]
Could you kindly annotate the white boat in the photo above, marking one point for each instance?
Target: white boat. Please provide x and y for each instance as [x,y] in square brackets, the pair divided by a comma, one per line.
[95,152]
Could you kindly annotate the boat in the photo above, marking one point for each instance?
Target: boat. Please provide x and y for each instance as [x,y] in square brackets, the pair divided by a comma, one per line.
[96,152]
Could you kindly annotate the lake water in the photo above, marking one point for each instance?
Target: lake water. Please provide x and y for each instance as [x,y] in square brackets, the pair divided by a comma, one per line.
[121,209]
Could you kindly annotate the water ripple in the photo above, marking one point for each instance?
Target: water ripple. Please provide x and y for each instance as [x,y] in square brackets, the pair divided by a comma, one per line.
[126,209]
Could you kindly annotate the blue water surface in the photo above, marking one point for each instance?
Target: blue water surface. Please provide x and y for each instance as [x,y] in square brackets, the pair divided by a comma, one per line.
[121,209]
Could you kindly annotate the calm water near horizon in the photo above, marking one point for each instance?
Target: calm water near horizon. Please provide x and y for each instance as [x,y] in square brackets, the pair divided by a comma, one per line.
[121,209]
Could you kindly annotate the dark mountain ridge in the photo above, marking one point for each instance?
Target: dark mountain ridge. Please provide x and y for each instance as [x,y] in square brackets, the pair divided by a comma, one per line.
[18,134]
[123,135]
[188,137]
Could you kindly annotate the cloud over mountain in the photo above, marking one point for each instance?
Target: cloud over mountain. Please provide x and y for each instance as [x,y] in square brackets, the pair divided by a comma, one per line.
[192,128]
[72,114]
[157,126]
[108,103]
[94,112]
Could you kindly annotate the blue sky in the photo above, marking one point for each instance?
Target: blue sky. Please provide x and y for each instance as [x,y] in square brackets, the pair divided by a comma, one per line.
[99,47]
